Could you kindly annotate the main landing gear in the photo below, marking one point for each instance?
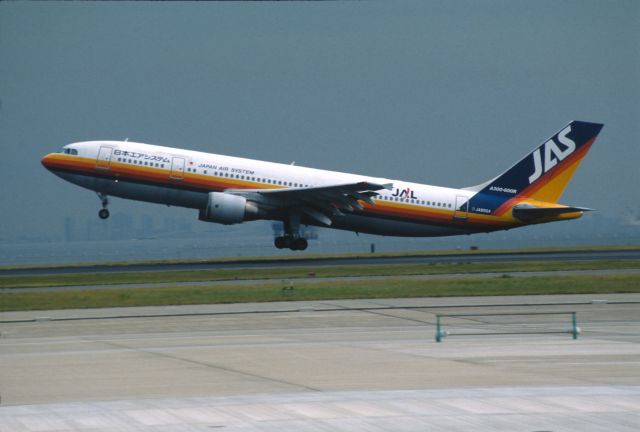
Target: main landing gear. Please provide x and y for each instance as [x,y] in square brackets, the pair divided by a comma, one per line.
[291,238]
[290,242]
[104,212]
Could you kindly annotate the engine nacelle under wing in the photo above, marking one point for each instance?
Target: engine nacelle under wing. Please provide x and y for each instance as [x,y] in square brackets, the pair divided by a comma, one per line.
[225,208]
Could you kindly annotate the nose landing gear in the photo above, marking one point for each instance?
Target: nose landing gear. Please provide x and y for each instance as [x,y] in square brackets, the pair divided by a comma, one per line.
[104,212]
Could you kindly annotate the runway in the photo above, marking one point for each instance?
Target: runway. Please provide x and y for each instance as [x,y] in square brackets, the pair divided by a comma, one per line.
[476,257]
[338,365]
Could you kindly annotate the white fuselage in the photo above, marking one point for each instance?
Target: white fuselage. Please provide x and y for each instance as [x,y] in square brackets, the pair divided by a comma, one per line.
[183,178]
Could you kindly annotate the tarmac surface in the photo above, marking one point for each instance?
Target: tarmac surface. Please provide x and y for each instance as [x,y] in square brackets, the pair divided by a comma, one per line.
[475,257]
[332,365]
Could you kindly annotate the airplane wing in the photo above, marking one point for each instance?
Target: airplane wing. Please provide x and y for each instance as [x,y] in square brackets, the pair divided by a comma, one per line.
[320,203]
[527,213]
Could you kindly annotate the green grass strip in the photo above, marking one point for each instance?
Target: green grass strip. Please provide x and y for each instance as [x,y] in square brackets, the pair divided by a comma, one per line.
[77,279]
[305,256]
[316,290]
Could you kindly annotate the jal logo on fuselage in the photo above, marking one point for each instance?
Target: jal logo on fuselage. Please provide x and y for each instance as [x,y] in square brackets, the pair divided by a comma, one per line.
[404,193]
[552,154]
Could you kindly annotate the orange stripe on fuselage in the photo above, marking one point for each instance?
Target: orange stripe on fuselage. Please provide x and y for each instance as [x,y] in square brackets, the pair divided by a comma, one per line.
[442,217]
[124,171]
[127,172]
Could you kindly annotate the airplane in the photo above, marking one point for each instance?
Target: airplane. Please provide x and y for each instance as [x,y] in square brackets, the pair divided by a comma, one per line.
[231,190]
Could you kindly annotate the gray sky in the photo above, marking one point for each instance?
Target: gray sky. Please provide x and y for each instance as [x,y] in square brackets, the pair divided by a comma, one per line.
[445,93]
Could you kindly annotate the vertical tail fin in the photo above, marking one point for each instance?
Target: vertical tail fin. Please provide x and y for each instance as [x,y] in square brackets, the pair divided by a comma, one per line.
[543,174]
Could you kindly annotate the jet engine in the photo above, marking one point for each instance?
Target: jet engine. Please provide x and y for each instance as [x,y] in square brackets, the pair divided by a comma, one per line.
[228,209]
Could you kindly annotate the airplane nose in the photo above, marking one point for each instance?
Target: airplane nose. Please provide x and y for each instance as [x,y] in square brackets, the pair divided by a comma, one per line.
[46,161]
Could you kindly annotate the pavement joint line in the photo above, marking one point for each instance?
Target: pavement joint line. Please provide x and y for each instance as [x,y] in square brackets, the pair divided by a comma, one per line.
[394,316]
[158,353]
[334,306]
[293,310]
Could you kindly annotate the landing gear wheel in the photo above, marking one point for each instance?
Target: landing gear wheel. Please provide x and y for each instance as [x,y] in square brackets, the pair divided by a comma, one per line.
[299,244]
[104,199]
[291,237]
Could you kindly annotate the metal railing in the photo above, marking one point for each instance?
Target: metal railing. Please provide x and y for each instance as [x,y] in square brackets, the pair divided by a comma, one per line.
[441,333]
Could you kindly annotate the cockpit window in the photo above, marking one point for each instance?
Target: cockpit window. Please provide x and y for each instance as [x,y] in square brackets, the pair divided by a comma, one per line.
[70,151]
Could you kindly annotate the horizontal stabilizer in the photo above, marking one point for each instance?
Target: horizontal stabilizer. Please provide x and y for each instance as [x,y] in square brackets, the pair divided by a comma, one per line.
[528,213]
